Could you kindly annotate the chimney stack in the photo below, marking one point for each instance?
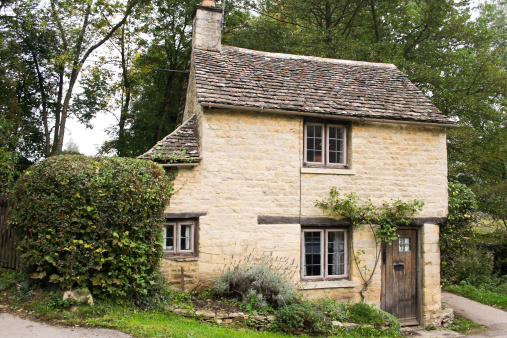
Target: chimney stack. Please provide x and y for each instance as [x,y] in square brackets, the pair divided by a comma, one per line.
[207,32]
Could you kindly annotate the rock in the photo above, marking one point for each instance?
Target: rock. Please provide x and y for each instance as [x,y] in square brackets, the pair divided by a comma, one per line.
[259,318]
[219,321]
[271,318]
[205,313]
[349,325]
[336,323]
[447,317]
[73,309]
[228,321]
[182,312]
[81,295]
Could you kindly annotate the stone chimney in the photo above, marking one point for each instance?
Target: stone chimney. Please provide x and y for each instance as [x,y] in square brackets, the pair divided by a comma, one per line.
[207,33]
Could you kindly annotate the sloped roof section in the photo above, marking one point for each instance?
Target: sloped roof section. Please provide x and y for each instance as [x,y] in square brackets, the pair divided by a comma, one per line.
[181,146]
[240,77]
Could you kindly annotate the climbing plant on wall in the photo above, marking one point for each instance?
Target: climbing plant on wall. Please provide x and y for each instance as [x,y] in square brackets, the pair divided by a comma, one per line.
[382,220]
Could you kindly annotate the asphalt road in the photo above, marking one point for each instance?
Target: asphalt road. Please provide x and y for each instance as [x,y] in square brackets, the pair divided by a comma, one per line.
[14,327]
[494,319]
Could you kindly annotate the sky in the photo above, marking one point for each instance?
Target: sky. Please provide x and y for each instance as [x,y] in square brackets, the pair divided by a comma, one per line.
[89,140]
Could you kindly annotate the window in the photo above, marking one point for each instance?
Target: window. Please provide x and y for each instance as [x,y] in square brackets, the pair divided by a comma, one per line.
[324,253]
[404,244]
[179,237]
[325,144]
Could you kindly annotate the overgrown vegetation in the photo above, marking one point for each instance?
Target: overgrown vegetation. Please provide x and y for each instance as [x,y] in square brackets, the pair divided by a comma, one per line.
[382,220]
[20,295]
[473,258]
[93,223]
[257,285]
[316,318]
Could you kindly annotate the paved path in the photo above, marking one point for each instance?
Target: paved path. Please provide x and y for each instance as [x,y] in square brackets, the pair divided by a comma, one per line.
[494,319]
[14,327]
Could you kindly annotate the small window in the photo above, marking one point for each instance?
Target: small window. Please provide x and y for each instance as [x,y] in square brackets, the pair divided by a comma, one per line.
[325,144]
[324,253]
[179,237]
[404,244]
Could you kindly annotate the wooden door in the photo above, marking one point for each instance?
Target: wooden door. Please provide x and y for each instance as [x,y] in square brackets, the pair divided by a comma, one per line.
[400,286]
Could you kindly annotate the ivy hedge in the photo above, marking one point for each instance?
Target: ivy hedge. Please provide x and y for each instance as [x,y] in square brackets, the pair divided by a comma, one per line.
[92,222]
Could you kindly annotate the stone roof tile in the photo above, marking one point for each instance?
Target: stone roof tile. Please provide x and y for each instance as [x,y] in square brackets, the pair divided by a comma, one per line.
[304,84]
[180,146]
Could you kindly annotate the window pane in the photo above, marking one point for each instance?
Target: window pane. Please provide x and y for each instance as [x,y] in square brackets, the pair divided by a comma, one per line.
[336,144]
[336,253]
[312,259]
[314,143]
[169,237]
[185,235]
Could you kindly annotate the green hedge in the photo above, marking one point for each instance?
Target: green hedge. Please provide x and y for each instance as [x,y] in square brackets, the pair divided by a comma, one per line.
[92,222]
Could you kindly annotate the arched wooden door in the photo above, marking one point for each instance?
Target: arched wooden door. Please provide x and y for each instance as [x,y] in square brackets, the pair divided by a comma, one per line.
[400,283]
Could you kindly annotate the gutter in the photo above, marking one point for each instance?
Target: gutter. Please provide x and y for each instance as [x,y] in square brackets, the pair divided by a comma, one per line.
[327,116]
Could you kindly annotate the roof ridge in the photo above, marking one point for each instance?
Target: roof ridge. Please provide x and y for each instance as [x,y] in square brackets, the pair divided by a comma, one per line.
[309,58]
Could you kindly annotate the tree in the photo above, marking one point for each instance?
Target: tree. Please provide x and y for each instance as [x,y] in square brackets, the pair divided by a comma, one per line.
[56,38]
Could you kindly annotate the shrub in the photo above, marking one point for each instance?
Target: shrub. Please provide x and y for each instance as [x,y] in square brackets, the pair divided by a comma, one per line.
[92,222]
[255,286]
[301,317]
[362,313]
[476,267]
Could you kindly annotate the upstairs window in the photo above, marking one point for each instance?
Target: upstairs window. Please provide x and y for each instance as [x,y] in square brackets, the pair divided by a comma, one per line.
[325,145]
[179,237]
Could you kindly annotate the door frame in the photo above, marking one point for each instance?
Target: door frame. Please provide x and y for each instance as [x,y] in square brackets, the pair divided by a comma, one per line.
[383,292]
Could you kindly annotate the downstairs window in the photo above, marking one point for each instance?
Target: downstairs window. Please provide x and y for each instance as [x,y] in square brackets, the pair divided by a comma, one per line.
[324,253]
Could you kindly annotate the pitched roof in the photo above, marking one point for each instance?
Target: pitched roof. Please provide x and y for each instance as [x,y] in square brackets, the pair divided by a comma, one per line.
[179,146]
[240,77]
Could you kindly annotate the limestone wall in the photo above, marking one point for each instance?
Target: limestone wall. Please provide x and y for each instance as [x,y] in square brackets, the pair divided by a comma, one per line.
[252,166]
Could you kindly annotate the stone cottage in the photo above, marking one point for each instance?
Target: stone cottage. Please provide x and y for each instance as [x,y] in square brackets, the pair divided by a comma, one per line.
[266,135]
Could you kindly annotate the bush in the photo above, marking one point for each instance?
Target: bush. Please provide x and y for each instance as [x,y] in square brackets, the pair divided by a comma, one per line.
[362,313]
[255,286]
[92,222]
[301,317]
[476,267]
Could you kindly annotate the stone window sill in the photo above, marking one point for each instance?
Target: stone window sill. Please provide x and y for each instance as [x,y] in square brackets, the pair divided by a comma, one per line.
[328,171]
[177,258]
[326,284]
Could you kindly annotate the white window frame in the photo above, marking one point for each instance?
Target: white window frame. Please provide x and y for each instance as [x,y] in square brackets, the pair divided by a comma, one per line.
[324,254]
[325,144]
[177,237]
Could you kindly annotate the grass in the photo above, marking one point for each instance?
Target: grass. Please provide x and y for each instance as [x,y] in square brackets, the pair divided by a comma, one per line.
[489,297]
[461,324]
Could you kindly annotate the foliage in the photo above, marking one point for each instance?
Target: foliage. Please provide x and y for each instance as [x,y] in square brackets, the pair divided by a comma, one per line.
[460,257]
[302,316]
[256,286]
[387,217]
[92,222]
[362,313]
[461,323]
[495,295]
[8,157]
[51,42]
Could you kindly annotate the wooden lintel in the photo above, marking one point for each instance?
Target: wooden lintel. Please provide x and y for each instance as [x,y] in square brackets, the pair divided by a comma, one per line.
[174,215]
[329,221]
